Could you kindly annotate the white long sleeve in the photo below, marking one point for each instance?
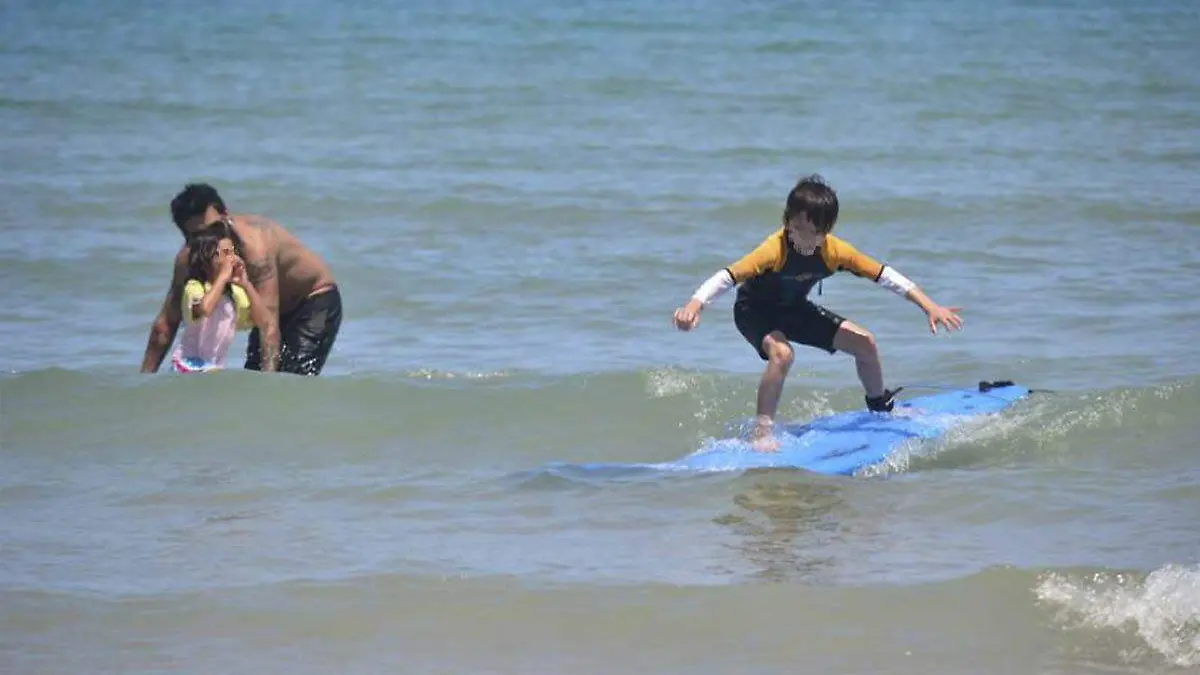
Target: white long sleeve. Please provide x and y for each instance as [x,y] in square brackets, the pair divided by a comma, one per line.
[895,282]
[716,285]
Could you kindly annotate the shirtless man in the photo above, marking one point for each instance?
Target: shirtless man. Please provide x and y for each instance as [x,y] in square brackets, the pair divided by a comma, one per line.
[295,284]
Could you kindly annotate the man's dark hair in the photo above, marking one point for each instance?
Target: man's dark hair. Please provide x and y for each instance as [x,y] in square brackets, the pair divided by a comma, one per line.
[815,198]
[194,200]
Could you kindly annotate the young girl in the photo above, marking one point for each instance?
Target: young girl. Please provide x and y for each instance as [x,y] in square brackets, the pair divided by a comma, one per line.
[217,302]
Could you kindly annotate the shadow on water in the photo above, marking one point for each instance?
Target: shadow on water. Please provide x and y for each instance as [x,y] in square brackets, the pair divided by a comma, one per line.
[784,524]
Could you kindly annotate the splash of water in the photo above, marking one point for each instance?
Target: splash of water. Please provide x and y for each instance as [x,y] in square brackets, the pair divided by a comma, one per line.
[1163,609]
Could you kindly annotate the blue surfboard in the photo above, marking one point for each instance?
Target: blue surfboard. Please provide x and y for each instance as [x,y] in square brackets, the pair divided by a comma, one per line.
[843,443]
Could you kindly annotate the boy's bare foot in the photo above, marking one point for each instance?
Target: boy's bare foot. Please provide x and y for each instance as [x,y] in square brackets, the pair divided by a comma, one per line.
[763,438]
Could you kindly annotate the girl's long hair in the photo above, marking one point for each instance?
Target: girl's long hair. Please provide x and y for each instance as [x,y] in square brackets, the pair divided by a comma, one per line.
[202,248]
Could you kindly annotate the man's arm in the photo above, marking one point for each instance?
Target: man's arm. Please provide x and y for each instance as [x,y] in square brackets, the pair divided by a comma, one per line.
[166,324]
[264,276]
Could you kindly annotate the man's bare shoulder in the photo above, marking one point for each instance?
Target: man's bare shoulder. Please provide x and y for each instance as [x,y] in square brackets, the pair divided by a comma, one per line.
[257,223]
[255,233]
[271,251]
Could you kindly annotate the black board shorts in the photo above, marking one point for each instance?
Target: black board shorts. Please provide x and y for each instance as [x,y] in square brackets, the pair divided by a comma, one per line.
[806,323]
[306,335]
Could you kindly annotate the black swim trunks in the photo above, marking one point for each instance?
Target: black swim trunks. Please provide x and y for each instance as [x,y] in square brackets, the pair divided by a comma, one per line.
[306,335]
[805,323]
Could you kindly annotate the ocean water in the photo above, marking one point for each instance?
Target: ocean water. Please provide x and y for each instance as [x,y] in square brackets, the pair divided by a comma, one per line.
[514,197]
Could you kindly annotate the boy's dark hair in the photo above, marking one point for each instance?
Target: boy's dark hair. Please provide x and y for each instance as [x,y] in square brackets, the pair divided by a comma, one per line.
[815,198]
[194,200]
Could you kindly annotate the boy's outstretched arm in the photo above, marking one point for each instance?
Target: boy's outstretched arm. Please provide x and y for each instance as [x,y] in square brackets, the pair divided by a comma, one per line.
[843,255]
[768,255]
[901,285]
[688,316]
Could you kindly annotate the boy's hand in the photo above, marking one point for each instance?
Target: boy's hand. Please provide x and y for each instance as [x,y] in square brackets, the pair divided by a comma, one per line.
[688,316]
[947,316]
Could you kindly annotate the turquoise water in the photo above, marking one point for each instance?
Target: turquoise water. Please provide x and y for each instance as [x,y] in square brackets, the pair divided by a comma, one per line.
[514,198]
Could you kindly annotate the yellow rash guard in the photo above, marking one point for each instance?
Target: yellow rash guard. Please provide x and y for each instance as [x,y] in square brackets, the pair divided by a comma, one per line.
[774,273]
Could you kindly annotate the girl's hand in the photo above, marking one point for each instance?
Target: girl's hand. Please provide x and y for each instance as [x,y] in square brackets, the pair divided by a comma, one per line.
[225,268]
[238,271]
